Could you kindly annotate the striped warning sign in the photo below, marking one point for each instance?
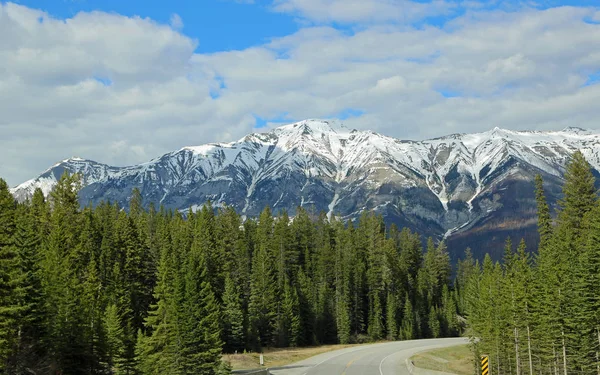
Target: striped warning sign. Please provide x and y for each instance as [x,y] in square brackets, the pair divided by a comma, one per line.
[485,365]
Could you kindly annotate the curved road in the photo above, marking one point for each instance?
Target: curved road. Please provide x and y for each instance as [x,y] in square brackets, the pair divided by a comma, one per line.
[376,359]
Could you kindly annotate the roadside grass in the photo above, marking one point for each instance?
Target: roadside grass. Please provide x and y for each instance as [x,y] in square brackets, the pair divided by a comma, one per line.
[274,357]
[456,359]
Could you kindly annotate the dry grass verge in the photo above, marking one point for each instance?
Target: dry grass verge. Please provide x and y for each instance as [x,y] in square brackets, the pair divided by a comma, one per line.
[277,356]
[455,359]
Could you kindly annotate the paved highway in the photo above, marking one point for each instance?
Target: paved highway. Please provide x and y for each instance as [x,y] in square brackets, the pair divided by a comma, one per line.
[376,359]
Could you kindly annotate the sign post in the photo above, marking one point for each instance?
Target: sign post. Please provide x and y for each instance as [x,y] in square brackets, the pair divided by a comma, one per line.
[485,365]
[262,360]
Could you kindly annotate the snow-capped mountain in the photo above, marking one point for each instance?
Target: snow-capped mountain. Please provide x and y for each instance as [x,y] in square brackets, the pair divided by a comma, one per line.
[467,187]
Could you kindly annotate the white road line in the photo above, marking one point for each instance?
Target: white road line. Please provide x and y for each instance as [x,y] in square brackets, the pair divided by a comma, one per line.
[381,363]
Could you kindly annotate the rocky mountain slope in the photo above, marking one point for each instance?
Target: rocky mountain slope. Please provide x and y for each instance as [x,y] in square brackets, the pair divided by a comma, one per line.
[473,189]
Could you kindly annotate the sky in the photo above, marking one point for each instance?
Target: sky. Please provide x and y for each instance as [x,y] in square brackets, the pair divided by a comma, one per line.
[122,82]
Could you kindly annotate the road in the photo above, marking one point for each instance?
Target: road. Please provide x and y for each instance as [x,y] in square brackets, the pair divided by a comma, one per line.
[377,359]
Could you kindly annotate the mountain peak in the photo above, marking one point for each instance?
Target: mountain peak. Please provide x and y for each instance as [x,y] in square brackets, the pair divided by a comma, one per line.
[576,130]
[315,126]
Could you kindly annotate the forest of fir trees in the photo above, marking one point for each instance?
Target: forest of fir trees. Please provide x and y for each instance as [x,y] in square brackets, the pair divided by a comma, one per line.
[539,313]
[113,290]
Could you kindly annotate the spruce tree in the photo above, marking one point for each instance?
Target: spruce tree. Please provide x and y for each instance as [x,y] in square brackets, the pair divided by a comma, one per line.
[199,321]
[591,261]
[543,212]
[10,277]
[233,318]
[407,328]
[30,349]
[579,194]
[579,199]
[115,338]
[291,316]
[391,317]
[156,348]
[343,320]
[262,313]
[62,267]
[204,241]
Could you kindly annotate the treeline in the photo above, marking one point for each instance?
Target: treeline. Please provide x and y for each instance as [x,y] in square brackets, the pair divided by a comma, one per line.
[540,314]
[105,291]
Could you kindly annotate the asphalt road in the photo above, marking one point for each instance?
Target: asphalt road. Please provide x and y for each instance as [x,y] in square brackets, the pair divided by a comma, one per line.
[376,359]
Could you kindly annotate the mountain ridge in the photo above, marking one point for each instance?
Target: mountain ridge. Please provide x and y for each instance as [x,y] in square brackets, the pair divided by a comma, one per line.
[441,187]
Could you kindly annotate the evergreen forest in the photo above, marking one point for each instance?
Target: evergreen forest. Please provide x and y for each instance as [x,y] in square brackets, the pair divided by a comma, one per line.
[130,290]
[539,313]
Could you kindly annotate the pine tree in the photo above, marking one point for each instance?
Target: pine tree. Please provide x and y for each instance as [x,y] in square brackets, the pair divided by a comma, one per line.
[30,348]
[233,318]
[579,194]
[544,218]
[525,296]
[10,277]
[407,330]
[307,298]
[391,317]
[63,267]
[376,319]
[434,323]
[579,199]
[343,320]
[591,261]
[92,313]
[156,349]
[115,338]
[411,259]
[262,305]
[291,316]
[451,326]
[204,241]
[199,318]
[129,279]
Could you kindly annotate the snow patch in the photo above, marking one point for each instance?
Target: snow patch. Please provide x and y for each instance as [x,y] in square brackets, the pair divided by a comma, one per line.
[331,206]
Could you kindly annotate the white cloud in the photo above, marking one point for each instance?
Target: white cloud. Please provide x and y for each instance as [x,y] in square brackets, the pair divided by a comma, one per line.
[122,90]
[372,11]
[176,21]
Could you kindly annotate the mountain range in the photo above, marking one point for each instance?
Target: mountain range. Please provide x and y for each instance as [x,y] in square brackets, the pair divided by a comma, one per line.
[474,190]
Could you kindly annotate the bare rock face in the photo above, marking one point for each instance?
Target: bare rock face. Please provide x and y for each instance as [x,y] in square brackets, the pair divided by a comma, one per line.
[472,189]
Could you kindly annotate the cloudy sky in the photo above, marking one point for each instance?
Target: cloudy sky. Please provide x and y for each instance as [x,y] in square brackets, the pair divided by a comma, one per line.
[122,82]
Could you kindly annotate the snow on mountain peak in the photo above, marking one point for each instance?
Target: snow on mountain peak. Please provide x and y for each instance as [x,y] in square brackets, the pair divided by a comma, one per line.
[576,130]
[314,126]
[329,150]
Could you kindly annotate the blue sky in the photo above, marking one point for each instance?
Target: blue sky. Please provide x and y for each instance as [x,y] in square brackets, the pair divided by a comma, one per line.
[95,80]
[218,25]
[221,25]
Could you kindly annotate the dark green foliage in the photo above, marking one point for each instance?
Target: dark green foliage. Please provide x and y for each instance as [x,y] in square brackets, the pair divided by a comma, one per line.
[30,348]
[544,218]
[234,334]
[9,277]
[115,338]
[156,348]
[263,302]
[103,290]
[540,315]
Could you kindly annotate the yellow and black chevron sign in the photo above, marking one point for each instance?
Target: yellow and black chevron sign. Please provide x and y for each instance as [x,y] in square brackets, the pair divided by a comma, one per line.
[485,365]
